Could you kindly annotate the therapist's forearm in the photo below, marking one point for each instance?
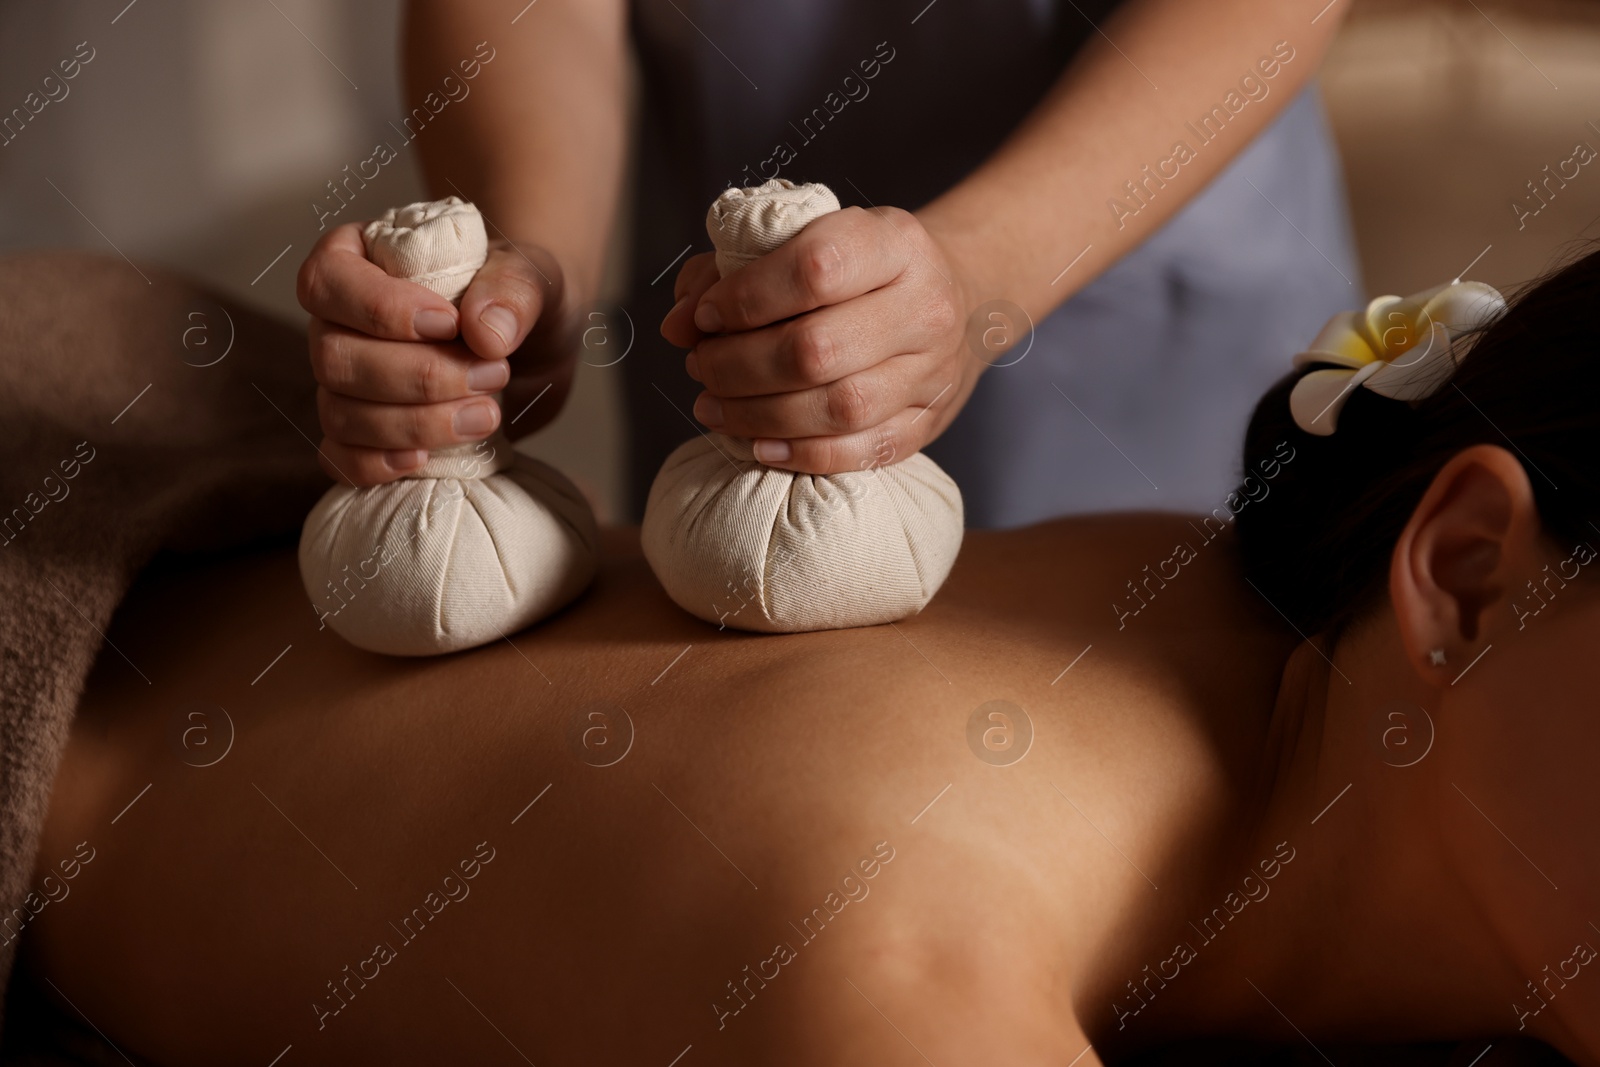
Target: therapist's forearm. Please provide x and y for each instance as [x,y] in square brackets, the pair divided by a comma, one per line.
[1049,191]
[539,142]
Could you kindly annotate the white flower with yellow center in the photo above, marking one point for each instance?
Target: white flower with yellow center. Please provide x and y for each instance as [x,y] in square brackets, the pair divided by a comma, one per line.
[1401,348]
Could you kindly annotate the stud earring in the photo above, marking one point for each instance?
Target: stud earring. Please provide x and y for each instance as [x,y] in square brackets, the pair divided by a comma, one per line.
[1436,657]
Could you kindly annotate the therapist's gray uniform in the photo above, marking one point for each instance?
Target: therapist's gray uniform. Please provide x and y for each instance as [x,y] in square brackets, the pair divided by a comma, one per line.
[1135,392]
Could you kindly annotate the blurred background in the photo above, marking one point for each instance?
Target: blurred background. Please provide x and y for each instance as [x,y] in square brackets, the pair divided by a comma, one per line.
[201,132]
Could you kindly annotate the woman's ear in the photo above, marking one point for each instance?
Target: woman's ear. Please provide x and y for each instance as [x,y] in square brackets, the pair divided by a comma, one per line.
[1470,539]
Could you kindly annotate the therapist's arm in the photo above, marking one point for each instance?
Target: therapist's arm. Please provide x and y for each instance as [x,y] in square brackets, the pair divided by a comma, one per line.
[539,145]
[877,362]
[535,137]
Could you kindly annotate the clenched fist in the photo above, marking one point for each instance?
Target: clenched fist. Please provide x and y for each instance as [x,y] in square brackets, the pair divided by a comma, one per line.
[401,371]
[842,350]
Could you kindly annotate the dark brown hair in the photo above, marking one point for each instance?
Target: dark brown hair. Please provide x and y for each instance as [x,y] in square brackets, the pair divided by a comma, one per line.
[1319,550]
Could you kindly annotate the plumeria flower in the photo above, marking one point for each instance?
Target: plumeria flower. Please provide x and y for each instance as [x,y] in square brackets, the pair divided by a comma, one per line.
[1401,348]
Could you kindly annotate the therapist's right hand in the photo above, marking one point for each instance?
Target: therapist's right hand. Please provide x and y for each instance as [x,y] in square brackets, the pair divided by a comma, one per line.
[401,372]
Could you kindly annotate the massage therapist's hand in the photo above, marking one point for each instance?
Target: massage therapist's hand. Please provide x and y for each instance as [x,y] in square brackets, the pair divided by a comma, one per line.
[400,371]
[843,350]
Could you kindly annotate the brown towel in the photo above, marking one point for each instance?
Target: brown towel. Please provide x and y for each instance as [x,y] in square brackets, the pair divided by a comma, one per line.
[206,457]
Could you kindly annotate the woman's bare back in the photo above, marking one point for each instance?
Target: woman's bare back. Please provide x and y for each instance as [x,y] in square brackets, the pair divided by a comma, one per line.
[625,833]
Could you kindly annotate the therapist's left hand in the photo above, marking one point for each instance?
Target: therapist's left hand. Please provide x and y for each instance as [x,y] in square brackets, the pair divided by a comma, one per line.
[842,350]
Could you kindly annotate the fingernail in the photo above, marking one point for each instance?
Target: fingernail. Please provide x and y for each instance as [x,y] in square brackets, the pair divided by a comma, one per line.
[677,307]
[708,319]
[474,420]
[488,376]
[708,409]
[434,324]
[405,459]
[691,363]
[772,451]
[501,321]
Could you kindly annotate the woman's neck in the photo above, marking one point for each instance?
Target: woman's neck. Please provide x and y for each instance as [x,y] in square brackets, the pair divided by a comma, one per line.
[1371,930]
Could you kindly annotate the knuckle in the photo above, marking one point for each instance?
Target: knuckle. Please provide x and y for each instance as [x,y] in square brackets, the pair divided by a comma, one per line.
[433,384]
[415,423]
[899,225]
[814,352]
[709,367]
[741,306]
[849,405]
[941,314]
[332,362]
[902,240]
[886,444]
[836,456]
[820,268]
[901,218]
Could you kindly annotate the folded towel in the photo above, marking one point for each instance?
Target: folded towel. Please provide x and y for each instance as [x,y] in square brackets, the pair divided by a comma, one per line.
[135,416]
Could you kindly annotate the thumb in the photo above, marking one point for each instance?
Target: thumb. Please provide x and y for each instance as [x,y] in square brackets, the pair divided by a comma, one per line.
[513,288]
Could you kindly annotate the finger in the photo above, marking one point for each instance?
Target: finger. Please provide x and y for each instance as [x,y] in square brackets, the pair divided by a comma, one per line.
[838,256]
[361,467]
[338,283]
[883,445]
[815,349]
[697,275]
[507,295]
[849,405]
[353,364]
[368,424]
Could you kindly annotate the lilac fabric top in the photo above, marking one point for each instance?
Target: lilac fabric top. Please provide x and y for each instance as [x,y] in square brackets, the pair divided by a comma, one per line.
[1135,392]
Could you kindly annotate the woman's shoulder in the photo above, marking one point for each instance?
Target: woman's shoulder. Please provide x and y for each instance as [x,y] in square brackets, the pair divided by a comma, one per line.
[1132,571]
